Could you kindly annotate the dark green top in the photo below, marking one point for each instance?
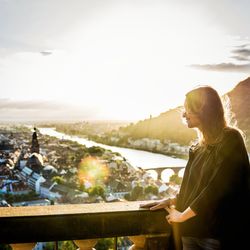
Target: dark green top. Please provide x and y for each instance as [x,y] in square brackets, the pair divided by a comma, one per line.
[216,187]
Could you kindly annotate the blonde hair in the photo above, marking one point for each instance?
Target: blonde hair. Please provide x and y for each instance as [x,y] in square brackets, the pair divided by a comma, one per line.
[206,103]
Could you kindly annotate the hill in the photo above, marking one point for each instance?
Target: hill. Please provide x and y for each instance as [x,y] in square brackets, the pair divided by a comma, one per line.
[169,125]
[240,102]
[166,126]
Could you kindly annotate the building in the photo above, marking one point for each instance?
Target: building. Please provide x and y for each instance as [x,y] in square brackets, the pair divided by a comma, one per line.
[33,179]
[46,190]
[5,144]
[15,187]
[41,202]
[35,148]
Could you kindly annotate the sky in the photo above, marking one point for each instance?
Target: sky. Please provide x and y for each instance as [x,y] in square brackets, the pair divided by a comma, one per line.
[116,60]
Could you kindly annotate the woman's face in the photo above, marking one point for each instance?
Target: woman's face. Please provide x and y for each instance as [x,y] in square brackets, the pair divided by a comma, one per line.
[192,119]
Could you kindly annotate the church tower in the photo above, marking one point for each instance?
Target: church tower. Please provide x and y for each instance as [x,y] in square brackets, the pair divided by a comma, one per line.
[35,148]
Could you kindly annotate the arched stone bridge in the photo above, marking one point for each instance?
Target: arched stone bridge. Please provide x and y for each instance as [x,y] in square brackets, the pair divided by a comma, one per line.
[159,170]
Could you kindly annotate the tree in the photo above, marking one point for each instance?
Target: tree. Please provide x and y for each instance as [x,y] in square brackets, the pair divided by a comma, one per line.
[49,246]
[97,191]
[96,151]
[105,244]
[68,245]
[58,180]
[151,189]
[9,198]
[127,197]
[175,179]
[5,247]
[136,192]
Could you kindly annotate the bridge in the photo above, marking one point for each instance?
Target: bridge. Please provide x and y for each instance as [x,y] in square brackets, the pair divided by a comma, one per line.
[159,170]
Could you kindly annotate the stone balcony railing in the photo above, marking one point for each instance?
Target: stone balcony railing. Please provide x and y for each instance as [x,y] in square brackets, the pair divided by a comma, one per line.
[84,224]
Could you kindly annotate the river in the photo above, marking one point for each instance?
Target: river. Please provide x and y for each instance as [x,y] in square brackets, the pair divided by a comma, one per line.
[137,158]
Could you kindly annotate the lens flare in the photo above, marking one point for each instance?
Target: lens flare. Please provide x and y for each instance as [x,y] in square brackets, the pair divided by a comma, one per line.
[93,170]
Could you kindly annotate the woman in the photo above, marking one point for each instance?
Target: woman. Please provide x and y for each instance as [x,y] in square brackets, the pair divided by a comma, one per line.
[211,208]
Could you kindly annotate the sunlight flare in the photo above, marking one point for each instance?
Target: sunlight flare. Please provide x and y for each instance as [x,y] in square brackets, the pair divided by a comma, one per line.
[92,170]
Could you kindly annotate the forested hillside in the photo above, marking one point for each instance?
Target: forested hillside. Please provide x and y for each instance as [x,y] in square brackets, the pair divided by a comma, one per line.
[169,125]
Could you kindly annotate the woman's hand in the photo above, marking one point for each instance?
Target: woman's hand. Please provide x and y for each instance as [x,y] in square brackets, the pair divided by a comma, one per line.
[177,216]
[174,215]
[155,205]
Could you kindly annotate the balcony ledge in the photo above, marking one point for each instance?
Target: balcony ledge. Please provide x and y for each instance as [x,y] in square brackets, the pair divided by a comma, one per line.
[77,222]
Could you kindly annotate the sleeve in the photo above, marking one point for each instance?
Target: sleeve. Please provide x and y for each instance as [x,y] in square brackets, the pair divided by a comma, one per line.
[183,187]
[227,174]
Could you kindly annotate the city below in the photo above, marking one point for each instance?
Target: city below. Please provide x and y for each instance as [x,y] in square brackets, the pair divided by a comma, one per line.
[40,170]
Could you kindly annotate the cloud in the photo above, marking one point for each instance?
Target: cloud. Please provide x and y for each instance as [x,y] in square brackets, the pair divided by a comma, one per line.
[8,104]
[227,67]
[240,58]
[34,25]
[242,46]
[20,110]
[10,45]
[46,53]
[242,53]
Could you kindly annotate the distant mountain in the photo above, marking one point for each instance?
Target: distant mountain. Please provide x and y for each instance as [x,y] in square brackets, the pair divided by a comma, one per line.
[169,125]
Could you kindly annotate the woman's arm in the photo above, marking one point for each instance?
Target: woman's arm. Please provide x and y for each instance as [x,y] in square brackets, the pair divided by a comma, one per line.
[176,216]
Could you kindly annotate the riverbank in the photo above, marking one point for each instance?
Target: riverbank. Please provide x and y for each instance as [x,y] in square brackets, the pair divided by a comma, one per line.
[137,158]
[130,146]
[169,149]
